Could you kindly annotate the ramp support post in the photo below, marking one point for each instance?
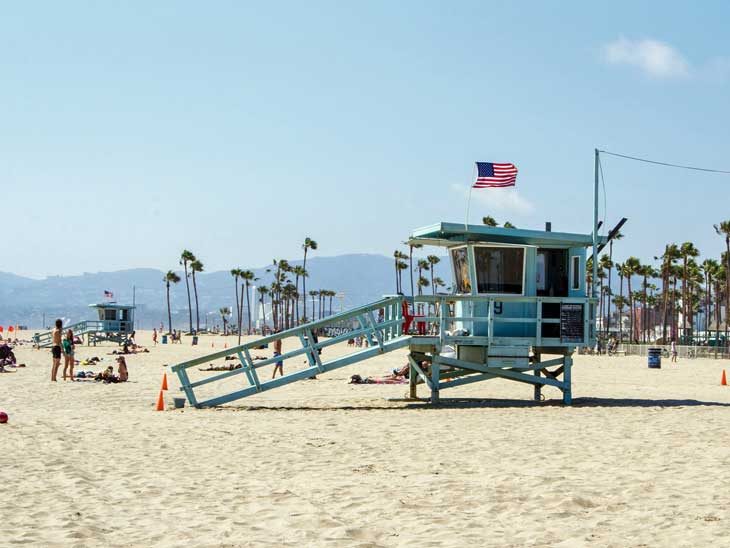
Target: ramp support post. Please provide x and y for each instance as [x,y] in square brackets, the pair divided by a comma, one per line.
[538,387]
[435,380]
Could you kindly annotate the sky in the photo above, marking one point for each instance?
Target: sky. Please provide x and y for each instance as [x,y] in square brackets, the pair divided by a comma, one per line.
[133,130]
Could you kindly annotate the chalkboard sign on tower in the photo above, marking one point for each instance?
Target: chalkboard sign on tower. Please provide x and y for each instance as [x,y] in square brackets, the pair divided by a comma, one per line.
[571,323]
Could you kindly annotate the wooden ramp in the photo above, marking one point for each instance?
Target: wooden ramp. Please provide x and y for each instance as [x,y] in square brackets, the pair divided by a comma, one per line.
[379,322]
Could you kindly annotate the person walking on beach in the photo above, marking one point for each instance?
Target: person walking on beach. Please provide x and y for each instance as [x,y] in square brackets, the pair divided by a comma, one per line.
[56,349]
[68,355]
[154,336]
[278,366]
[674,350]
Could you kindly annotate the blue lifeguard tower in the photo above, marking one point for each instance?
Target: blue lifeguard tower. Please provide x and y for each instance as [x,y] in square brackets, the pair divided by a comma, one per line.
[518,311]
[114,323]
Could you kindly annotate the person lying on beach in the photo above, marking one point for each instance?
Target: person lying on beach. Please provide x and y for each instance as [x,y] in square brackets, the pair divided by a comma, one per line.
[398,376]
[230,367]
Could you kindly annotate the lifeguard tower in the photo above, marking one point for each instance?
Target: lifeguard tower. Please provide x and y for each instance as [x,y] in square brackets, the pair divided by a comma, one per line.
[519,295]
[518,311]
[115,323]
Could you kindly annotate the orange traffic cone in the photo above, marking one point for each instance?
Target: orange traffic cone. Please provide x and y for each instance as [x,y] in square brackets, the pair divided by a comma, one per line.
[164,381]
[723,381]
[160,402]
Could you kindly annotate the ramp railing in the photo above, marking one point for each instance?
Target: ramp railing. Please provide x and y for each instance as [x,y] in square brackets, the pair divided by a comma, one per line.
[45,339]
[379,323]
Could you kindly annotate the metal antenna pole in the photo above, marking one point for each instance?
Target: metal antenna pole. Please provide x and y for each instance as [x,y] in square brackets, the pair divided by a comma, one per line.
[595,229]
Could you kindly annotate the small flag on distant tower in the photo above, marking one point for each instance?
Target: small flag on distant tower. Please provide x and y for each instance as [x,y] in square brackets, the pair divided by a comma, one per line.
[108,294]
[491,175]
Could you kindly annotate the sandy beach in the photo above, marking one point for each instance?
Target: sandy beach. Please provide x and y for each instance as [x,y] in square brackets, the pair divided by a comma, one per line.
[640,459]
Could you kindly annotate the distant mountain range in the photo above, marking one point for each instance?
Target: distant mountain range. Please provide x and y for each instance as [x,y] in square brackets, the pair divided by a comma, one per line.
[362,278]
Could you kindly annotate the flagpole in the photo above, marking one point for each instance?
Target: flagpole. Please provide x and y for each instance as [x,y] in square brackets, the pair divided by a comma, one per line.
[468,202]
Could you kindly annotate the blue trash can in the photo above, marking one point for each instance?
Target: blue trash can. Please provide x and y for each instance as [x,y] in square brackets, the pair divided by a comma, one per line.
[164,339]
[195,340]
[654,358]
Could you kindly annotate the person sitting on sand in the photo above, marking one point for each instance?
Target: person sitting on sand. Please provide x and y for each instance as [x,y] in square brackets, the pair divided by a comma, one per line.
[123,373]
[68,355]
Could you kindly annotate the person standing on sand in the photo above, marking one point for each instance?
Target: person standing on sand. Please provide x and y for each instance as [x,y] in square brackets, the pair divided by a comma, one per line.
[154,336]
[68,355]
[56,349]
[278,366]
[674,350]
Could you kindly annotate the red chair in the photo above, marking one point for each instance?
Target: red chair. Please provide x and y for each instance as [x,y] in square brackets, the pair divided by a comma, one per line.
[408,320]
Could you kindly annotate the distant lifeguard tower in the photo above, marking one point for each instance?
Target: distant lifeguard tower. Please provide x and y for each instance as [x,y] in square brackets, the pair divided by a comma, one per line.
[518,311]
[115,323]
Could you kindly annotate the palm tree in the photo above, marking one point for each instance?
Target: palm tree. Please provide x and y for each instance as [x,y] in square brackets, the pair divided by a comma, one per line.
[605,264]
[632,266]
[489,221]
[187,257]
[433,260]
[686,251]
[236,273]
[709,267]
[401,266]
[645,271]
[620,302]
[308,244]
[398,256]
[671,254]
[507,224]
[411,247]
[437,282]
[421,283]
[169,278]
[313,293]
[298,272]
[263,291]
[617,236]
[247,276]
[723,229]
[225,312]
[620,298]
[196,266]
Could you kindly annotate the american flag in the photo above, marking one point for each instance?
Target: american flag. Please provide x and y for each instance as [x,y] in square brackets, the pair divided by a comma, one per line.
[108,294]
[491,175]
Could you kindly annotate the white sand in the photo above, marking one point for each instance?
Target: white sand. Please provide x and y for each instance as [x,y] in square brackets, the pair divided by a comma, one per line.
[641,459]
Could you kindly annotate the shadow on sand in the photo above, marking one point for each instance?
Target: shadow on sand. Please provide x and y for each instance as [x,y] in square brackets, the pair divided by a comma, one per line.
[476,403]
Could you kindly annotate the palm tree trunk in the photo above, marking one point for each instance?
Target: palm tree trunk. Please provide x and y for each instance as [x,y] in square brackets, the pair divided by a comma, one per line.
[197,312]
[169,312]
[410,267]
[304,286]
[296,303]
[238,308]
[727,286]
[240,316]
[248,307]
[187,287]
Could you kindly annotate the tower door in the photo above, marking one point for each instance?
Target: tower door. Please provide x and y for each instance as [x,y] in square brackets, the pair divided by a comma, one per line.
[552,272]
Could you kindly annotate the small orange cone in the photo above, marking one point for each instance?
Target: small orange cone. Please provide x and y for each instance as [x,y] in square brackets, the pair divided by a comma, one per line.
[164,381]
[723,381]
[160,402]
